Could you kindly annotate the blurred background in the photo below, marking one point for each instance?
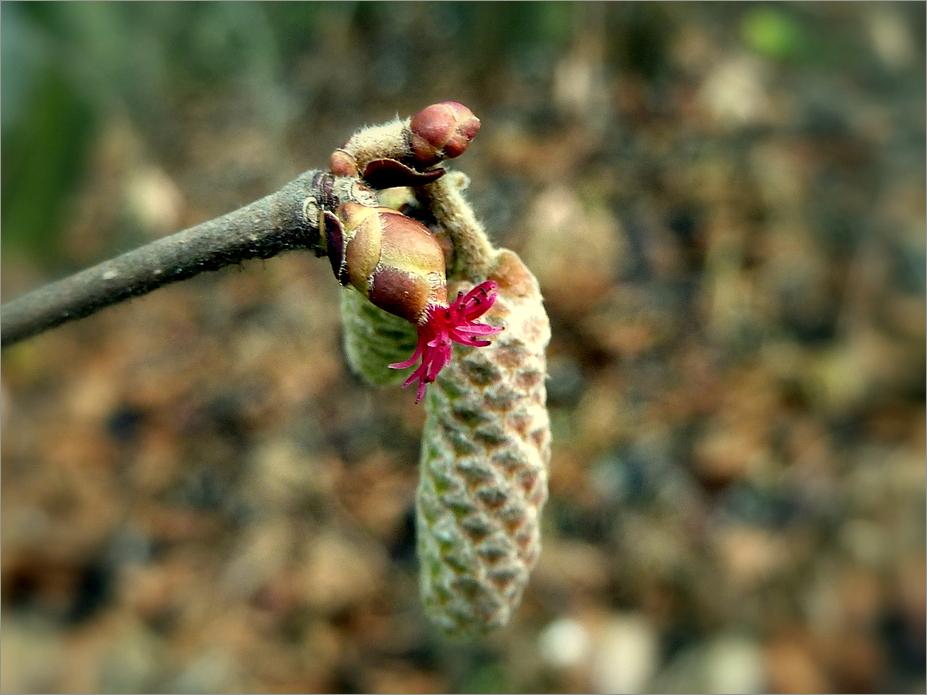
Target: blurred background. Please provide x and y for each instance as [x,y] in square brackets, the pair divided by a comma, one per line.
[725,207]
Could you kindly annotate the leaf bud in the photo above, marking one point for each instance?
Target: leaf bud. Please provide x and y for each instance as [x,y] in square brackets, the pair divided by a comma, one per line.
[442,131]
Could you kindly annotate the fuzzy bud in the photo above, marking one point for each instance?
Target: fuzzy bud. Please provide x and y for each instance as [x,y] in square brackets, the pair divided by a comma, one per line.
[442,131]
[342,163]
[485,453]
[407,152]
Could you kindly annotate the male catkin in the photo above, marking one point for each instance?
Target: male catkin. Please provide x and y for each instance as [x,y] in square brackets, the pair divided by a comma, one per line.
[484,461]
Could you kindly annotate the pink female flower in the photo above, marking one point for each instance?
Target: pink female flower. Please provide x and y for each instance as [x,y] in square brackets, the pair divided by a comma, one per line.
[444,324]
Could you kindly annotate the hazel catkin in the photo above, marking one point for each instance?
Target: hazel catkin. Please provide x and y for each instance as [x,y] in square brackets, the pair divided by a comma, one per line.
[484,462]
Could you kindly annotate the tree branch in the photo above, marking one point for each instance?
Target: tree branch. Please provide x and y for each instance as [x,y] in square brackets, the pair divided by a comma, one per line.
[282,221]
[400,153]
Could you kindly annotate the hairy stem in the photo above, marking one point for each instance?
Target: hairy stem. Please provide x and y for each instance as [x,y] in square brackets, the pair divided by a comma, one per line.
[475,257]
[282,221]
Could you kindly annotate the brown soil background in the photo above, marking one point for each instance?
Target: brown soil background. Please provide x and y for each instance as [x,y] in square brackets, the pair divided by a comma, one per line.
[725,207]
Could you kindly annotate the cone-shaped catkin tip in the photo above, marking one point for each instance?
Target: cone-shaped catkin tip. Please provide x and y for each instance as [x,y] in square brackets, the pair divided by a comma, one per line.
[442,131]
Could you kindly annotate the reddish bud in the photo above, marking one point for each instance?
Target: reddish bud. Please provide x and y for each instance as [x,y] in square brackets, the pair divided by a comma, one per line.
[400,293]
[442,131]
[393,260]
[342,163]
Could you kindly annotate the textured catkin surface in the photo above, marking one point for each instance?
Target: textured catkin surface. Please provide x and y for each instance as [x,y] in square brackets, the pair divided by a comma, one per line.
[374,339]
[484,464]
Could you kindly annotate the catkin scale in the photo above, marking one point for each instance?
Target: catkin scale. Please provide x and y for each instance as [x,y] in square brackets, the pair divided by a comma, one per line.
[484,461]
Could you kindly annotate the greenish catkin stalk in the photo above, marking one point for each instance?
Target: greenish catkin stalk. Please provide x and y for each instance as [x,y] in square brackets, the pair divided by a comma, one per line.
[484,464]
[374,339]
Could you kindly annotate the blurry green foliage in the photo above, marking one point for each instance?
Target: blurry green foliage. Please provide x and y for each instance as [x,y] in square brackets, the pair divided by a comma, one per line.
[782,31]
[42,161]
[772,32]
[491,677]
[68,66]
[46,128]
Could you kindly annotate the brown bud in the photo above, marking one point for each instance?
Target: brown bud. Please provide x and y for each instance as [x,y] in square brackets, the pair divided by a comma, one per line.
[442,131]
[409,245]
[411,273]
[362,242]
[390,258]
[400,293]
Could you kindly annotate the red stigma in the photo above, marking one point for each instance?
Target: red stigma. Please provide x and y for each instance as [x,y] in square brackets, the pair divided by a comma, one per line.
[444,324]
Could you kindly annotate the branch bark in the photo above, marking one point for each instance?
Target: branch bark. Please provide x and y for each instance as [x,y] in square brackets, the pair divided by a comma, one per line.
[282,221]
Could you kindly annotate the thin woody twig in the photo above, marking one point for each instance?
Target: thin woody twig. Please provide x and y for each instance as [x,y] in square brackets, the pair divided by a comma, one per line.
[400,153]
[282,221]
